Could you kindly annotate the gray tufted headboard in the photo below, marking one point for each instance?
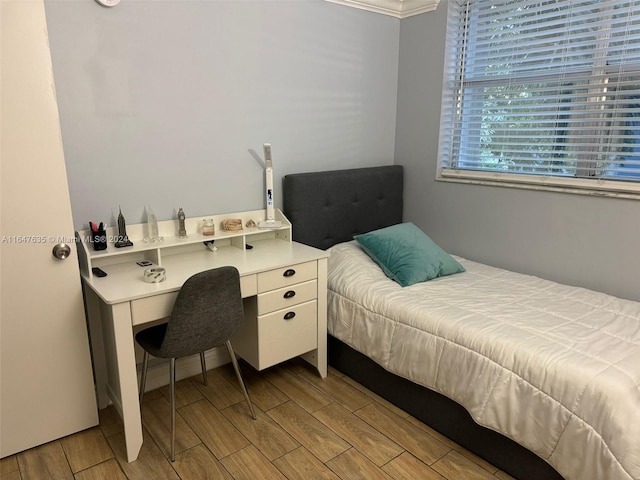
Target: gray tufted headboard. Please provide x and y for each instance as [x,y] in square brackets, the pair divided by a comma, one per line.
[330,207]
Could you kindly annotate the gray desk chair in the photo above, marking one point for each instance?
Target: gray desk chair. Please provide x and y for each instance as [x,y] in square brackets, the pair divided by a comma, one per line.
[207,313]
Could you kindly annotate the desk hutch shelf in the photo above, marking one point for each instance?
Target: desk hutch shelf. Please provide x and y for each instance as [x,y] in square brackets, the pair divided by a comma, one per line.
[172,243]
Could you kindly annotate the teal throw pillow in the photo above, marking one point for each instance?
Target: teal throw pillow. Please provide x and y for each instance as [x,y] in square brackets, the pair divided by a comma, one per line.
[407,255]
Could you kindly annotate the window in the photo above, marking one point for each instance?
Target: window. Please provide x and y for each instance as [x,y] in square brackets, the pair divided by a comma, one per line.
[543,93]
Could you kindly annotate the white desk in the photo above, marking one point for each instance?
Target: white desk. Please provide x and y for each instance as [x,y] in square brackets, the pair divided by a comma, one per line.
[122,300]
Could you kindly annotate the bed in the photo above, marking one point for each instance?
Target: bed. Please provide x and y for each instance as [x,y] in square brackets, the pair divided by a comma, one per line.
[538,378]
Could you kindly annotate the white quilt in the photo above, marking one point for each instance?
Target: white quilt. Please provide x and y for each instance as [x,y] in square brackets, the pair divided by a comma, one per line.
[553,367]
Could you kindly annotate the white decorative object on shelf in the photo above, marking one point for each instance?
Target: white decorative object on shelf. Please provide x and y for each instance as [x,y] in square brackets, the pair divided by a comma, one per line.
[152,227]
[395,8]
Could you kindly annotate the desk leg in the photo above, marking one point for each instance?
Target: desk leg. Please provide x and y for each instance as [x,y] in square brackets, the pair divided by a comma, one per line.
[123,378]
[318,357]
[94,320]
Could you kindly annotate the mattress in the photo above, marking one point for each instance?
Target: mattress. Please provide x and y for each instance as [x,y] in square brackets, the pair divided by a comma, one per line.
[553,367]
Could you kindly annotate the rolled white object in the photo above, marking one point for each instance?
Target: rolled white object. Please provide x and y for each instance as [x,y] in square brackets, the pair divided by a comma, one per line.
[155,275]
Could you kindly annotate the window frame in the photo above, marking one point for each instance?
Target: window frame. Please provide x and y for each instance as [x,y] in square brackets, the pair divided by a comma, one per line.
[584,181]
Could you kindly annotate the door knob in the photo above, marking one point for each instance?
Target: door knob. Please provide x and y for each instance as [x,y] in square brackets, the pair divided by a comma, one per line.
[61,251]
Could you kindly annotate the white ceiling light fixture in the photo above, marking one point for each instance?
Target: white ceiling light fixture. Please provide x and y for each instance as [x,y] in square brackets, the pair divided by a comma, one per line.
[108,3]
[395,8]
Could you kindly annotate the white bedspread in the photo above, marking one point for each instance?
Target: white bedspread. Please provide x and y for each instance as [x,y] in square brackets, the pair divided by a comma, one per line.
[553,367]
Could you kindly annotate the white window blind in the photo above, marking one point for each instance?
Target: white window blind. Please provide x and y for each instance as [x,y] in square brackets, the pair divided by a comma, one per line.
[543,92]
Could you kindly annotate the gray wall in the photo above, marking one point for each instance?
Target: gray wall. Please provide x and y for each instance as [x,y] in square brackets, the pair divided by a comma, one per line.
[168,103]
[574,239]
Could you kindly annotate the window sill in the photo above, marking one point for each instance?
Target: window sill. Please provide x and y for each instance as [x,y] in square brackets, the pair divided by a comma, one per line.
[598,188]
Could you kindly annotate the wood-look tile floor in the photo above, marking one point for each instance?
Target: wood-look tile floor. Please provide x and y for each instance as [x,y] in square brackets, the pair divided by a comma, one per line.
[306,428]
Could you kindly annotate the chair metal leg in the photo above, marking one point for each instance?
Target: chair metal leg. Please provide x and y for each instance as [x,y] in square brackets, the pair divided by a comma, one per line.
[236,367]
[172,402]
[143,376]
[203,362]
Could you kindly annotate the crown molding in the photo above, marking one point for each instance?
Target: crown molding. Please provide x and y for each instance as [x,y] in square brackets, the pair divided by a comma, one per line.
[395,8]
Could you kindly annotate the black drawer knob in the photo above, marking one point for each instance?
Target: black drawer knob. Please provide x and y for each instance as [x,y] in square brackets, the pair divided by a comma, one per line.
[289,294]
[289,273]
[289,315]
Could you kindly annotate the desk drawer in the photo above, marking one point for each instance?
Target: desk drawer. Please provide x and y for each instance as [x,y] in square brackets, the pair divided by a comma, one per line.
[282,277]
[287,333]
[248,285]
[287,296]
[148,309]
[153,308]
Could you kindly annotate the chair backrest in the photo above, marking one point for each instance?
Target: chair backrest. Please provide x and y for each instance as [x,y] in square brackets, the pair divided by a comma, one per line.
[207,312]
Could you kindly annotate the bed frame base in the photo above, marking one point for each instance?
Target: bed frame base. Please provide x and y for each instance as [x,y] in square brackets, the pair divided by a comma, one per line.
[444,415]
